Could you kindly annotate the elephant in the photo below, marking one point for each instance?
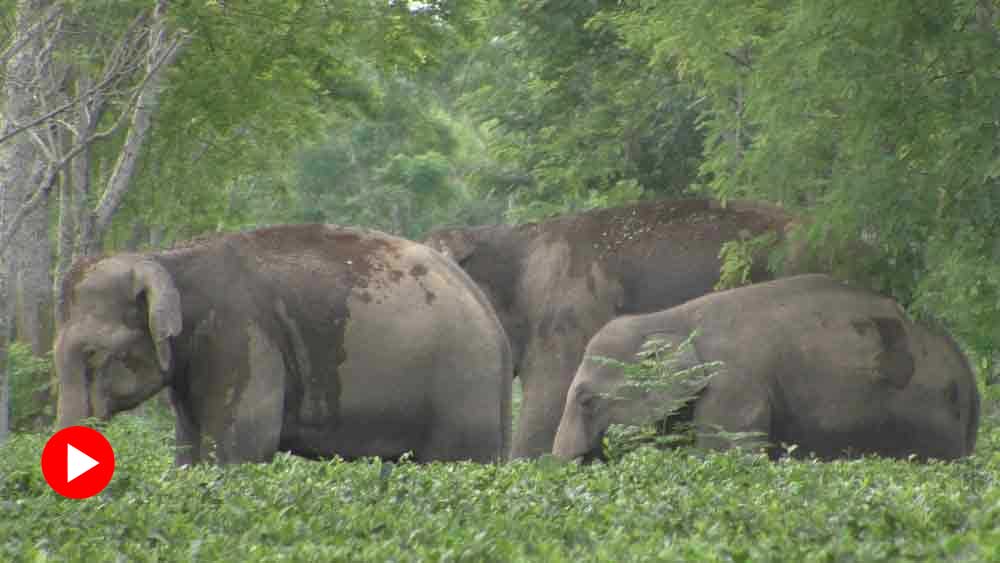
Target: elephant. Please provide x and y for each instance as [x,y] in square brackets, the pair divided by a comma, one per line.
[318,340]
[556,283]
[809,361]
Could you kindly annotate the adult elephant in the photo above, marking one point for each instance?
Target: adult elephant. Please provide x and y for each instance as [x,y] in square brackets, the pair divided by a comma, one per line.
[805,360]
[555,283]
[314,339]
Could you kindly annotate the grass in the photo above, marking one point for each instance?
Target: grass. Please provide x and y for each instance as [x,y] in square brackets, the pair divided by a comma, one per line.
[681,505]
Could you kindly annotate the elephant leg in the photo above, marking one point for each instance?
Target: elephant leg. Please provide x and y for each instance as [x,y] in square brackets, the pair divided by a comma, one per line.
[733,411]
[461,438]
[252,437]
[257,413]
[545,380]
[255,430]
[535,419]
[475,427]
[187,432]
[560,330]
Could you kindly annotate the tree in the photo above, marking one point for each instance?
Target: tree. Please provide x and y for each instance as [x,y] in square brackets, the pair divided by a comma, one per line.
[574,109]
[880,118]
[24,58]
[90,88]
[402,167]
[53,115]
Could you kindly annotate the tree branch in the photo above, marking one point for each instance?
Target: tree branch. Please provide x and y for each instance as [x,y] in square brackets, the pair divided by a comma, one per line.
[986,18]
[45,186]
[120,65]
[53,12]
[146,103]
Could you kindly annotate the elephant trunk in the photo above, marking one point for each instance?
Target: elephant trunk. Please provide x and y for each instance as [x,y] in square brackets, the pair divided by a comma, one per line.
[77,395]
[571,440]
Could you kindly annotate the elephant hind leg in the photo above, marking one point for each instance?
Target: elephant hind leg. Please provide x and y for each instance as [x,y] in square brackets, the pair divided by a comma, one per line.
[258,411]
[465,435]
[733,411]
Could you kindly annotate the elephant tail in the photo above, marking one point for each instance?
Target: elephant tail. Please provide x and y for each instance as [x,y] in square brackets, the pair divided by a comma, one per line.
[973,423]
[506,400]
[506,417]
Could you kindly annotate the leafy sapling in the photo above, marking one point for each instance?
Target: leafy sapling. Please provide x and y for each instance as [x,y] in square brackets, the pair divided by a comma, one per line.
[738,258]
[656,379]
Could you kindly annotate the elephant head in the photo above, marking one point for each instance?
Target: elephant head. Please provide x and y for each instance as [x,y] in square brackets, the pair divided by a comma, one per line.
[114,349]
[599,396]
[458,244]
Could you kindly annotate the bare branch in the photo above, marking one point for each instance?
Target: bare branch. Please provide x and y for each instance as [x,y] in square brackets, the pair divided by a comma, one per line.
[121,63]
[53,12]
[986,18]
[28,207]
[38,120]
[146,103]
[41,144]
[40,194]
[146,48]
[44,188]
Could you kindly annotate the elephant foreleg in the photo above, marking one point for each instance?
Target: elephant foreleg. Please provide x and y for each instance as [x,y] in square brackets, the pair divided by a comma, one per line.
[256,414]
[187,432]
[734,411]
[545,378]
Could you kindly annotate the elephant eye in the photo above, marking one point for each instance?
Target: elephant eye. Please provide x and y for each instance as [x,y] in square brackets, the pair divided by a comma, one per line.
[588,401]
[91,358]
[134,316]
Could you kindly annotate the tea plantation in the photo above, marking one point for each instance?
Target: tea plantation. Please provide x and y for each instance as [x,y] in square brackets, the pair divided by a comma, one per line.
[680,505]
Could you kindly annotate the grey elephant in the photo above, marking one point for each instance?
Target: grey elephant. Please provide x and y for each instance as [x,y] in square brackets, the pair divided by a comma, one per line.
[313,339]
[806,360]
[556,283]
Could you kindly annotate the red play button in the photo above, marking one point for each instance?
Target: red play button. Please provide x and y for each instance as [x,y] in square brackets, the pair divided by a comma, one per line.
[78,462]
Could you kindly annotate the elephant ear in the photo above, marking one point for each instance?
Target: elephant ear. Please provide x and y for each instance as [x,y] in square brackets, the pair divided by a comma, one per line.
[649,405]
[457,244]
[164,303]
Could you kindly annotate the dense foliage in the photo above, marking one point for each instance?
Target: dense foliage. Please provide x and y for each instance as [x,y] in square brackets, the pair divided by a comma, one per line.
[878,118]
[30,378]
[572,110]
[404,166]
[670,506]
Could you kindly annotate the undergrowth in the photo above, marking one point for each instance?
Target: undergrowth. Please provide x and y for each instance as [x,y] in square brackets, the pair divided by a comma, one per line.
[678,505]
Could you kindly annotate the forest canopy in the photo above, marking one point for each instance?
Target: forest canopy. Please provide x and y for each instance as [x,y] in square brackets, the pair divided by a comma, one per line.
[134,124]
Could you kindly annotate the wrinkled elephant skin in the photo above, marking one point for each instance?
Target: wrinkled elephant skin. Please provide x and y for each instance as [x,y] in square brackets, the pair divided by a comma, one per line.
[556,283]
[313,339]
[835,370]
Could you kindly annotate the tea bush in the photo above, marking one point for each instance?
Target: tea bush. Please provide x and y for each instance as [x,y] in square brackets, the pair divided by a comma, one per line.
[678,505]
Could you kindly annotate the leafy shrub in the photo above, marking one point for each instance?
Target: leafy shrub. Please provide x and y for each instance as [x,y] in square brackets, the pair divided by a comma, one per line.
[30,377]
[676,505]
[739,257]
[655,371]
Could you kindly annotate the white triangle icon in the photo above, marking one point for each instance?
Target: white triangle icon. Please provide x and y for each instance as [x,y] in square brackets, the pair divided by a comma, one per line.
[77,463]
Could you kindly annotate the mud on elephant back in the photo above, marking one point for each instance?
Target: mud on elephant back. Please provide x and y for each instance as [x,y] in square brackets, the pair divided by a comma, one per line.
[314,339]
[556,283]
[810,361]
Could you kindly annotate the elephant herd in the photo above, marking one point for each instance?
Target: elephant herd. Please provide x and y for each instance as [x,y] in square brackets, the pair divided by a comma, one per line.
[323,340]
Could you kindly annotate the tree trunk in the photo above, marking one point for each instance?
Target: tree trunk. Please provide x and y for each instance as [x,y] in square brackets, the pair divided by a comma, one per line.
[163,50]
[4,381]
[137,237]
[74,191]
[18,157]
[32,252]
[5,316]
[64,251]
[156,235]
